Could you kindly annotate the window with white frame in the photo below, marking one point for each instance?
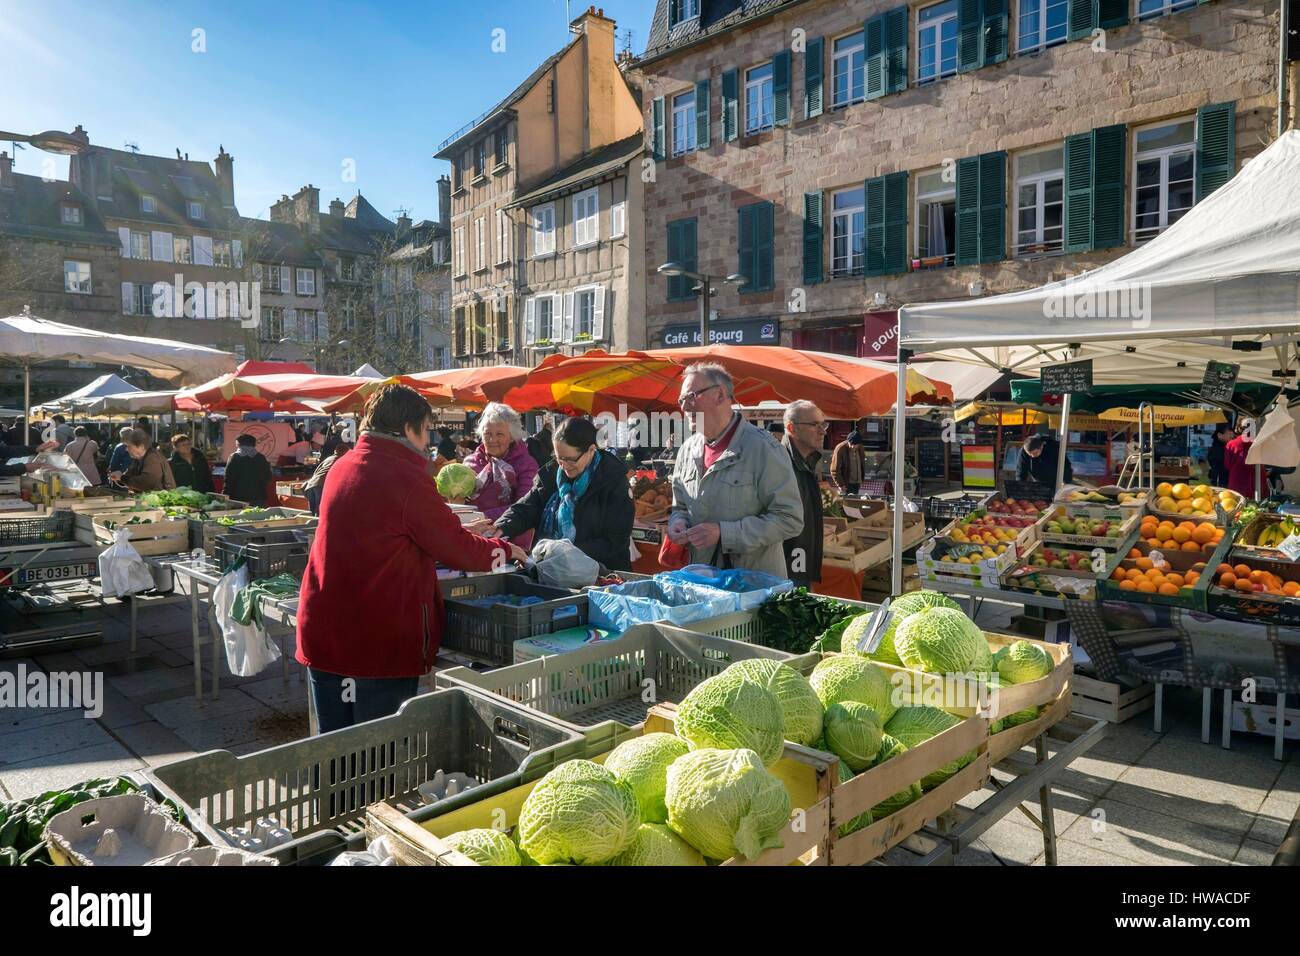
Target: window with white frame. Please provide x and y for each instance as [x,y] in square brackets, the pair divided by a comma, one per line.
[347,268]
[76,276]
[306,282]
[936,41]
[681,10]
[847,59]
[503,236]
[70,214]
[544,230]
[617,219]
[458,251]
[684,122]
[182,249]
[196,210]
[848,232]
[1164,176]
[936,220]
[148,203]
[1147,9]
[1043,23]
[405,279]
[586,217]
[1040,206]
[584,313]
[272,327]
[221,252]
[759,102]
[546,331]
[480,244]
[140,246]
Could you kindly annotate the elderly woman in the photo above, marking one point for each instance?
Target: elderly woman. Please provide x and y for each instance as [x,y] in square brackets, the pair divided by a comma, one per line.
[582,495]
[505,469]
[149,470]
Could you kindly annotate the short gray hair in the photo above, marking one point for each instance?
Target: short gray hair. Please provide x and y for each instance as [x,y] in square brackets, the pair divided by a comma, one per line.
[714,374]
[139,438]
[794,408]
[496,412]
[125,433]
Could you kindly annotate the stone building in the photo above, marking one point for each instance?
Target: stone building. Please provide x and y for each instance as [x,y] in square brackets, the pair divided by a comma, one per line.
[849,158]
[545,208]
[294,325]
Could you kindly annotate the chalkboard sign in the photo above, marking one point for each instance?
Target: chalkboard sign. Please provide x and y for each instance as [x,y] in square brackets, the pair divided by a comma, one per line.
[1220,381]
[1070,378]
[932,458]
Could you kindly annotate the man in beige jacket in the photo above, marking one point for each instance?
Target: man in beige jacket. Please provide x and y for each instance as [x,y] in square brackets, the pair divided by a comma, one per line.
[735,496]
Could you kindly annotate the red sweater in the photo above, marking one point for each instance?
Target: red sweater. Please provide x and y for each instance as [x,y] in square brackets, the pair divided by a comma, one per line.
[370,605]
[1241,476]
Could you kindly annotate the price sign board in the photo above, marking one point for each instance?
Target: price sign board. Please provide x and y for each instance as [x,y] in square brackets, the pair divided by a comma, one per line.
[1220,381]
[1067,379]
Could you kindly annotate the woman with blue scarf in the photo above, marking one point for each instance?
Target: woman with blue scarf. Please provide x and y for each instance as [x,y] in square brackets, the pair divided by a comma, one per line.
[582,495]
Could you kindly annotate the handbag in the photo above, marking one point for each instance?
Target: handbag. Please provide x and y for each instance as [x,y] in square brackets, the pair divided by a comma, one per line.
[673,556]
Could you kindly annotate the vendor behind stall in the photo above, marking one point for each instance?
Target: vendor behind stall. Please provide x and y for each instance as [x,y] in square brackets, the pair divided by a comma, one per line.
[370,614]
[582,495]
[21,451]
[148,470]
[1037,462]
[248,473]
[189,466]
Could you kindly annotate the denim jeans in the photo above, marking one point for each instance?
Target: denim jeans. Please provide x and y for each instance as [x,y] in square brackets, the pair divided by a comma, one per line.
[367,698]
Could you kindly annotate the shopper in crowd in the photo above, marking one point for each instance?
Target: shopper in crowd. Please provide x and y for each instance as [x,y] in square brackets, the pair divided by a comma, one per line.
[148,470]
[248,473]
[314,488]
[735,497]
[8,451]
[118,458]
[1215,456]
[805,432]
[331,441]
[1037,461]
[848,464]
[505,469]
[542,446]
[63,432]
[1241,476]
[446,446]
[368,635]
[582,495]
[82,450]
[189,465]
[669,452]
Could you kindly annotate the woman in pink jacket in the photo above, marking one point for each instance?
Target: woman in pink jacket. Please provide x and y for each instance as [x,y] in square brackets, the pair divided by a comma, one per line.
[504,467]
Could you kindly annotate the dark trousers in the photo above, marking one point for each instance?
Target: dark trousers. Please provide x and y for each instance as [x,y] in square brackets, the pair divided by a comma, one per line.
[851,488]
[366,698]
[1219,477]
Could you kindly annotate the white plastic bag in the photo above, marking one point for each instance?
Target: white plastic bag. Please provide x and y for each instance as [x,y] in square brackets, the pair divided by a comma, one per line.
[560,564]
[249,649]
[68,471]
[121,569]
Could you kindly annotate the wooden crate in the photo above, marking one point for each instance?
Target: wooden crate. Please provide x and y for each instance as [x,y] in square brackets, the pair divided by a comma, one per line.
[806,773]
[868,542]
[92,506]
[872,786]
[162,535]
[203,534]
[1109,700]
[1003,745]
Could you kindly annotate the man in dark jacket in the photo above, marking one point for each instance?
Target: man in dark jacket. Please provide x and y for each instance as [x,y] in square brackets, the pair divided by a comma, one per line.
[248,473]
[805,431]
[189,466]
[582,495]
[1037,461]
[1215,456]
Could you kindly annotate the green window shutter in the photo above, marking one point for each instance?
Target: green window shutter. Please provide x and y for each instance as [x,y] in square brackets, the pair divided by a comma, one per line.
[993,206]
[1109,160]
[1078,192]
[896,50]
[968,211]
[1082,18]
[702,114]
[873,193]
[1216,147]
[681,249]
[657,129]
[745,237]
[813,63]
[730,105]
[764,245]
[812,237]
[895,243]
[875,66]
[970,27]
[1113,13]
[996,22]
[674,255]
[781,88]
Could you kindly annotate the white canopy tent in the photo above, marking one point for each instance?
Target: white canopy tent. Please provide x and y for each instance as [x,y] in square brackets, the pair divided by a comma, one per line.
[131,403]
[369,371]
[1223,283]
[104,385]
[28,340]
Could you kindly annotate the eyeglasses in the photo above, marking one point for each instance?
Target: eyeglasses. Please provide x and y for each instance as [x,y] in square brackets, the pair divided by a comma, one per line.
[820,426]
[572,461]
[693,396]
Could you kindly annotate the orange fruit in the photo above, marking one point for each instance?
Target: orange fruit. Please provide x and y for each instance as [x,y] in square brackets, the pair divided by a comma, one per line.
[1291,588]
[1163,533]
[1146,587]
[1241,571]
[1192,578]
[1177,580]
[1190,546]
[1127,586]
[1134,553]
[1223,568]
[1119,574]
[1204,533]
[1243,584]
[1168,590]
[1155,574]
[1180,534]
[1227,580]
[1144,564]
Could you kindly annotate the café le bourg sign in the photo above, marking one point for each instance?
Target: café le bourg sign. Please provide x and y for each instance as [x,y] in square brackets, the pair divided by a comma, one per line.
[736,332]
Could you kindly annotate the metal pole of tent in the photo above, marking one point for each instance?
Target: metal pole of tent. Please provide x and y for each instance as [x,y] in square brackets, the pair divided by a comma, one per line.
[27,402]
[900,444]
[1064,441]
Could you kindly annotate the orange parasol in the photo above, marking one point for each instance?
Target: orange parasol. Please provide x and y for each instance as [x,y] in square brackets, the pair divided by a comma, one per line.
[456,386]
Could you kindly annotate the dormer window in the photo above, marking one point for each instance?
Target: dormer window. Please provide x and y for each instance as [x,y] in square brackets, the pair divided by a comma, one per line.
[679,11]
[196,210]
[71,214]
[148,203]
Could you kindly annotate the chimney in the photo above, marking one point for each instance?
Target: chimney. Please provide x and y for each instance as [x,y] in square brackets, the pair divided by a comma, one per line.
[282,209]
[599,109]
[444,202]
[6,171]
[225,166]
[306,208]
[403,224]
[336,208]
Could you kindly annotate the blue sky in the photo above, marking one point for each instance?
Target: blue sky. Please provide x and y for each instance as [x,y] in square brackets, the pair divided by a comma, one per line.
[293,90]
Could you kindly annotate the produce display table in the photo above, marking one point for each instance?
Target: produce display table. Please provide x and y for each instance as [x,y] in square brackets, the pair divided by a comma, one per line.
[837,581]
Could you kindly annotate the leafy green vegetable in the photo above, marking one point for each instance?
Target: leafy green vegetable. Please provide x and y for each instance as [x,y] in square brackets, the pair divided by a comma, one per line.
[942,640]
[656,845]
[845,677]
[578,813]
[853,732]
[891,747]
[729,711]
[1022,662]
[725,803]
[863,819]
[915,725]
[643,762]
[456,481]
[801,711]
[793,620]
[486,847]
[182,497]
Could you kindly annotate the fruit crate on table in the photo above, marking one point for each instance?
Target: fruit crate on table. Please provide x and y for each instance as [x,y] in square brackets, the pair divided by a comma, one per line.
[1158,504]
[267,553]
[1247,542]
[1255,606]
[943,508]
[1113,533]
[806,774]
[490,632]
[1193,597]
[326,782]
[868,542]
[53,526]
[608,680]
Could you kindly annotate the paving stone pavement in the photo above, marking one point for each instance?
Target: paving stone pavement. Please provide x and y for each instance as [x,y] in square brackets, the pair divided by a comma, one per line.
[1137,798]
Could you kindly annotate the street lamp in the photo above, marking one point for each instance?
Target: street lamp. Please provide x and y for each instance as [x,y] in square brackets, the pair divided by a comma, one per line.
[705,288]
[53,141]
[325,348]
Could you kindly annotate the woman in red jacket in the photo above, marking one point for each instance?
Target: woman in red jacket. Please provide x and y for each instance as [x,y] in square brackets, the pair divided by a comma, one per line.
[1241,476]
[370,614]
